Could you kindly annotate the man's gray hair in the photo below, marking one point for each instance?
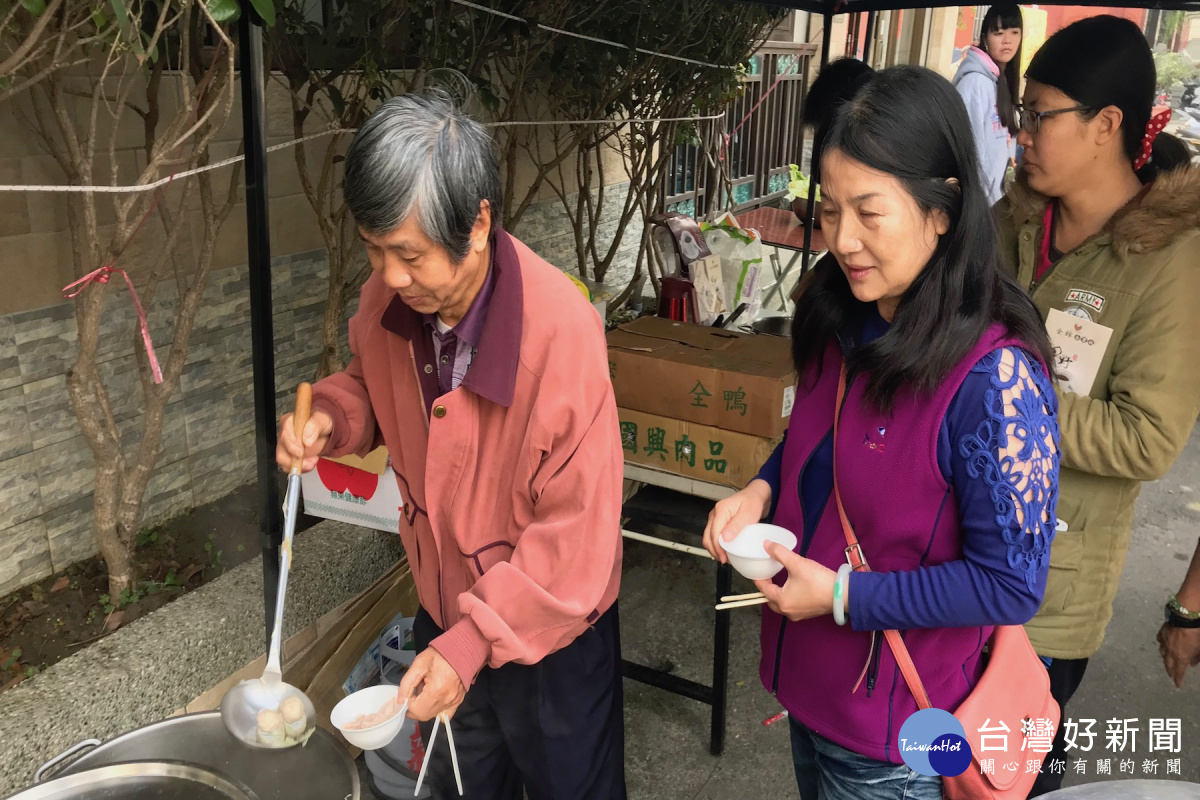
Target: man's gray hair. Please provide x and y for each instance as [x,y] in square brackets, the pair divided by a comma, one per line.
[419,153]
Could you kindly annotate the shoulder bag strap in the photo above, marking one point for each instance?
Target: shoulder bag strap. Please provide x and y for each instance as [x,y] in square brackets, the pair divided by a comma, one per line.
[858,562]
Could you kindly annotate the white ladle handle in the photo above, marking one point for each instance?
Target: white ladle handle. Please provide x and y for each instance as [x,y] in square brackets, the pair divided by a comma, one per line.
[291,508]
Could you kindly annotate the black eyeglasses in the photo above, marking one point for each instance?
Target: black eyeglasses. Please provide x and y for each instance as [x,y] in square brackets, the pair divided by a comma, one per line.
[1031,121]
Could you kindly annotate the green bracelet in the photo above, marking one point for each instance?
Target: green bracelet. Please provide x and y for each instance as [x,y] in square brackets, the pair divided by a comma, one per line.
[1178,609]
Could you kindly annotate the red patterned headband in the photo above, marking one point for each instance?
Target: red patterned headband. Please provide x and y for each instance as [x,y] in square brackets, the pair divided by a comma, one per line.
[1154,127]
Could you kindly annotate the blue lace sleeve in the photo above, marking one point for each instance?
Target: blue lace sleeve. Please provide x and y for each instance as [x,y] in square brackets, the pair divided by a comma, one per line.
[1014,452]
[1000,454]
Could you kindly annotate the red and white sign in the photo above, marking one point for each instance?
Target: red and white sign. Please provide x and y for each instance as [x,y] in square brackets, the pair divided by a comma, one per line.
[361,491]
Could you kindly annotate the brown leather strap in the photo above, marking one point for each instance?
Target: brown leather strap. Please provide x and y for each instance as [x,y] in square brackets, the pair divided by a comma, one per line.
[858,562]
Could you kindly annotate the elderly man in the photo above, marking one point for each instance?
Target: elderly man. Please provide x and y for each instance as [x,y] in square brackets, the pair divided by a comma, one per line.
[485,372]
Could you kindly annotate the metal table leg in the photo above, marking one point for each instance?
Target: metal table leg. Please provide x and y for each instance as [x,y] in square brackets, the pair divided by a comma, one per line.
[780,278]
[720,681]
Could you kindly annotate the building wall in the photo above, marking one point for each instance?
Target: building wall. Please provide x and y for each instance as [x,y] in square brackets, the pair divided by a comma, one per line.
[46,467]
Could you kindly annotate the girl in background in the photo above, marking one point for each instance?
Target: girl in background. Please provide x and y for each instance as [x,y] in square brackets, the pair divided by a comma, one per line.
[989,81]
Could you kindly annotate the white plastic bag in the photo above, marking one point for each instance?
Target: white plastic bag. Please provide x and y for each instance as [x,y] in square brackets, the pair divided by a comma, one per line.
[741,254]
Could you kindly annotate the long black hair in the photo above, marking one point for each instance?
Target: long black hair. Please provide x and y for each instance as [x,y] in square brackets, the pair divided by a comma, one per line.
[909,122]
[1099,62]
[1002,17]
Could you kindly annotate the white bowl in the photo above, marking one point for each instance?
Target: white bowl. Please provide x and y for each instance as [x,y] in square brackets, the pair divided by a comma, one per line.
[749,557]
[368,701]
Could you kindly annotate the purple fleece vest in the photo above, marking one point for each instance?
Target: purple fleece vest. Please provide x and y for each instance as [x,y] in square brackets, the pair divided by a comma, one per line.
[905,516]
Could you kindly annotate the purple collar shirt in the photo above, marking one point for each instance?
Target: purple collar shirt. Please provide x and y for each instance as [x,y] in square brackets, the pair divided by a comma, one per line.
[454,348]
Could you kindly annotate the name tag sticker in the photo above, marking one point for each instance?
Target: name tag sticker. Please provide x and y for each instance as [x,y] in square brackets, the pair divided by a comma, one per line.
[1079,346]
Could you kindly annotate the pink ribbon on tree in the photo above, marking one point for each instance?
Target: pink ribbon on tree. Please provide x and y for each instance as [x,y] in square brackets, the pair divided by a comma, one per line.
[103,275]
[1154,127]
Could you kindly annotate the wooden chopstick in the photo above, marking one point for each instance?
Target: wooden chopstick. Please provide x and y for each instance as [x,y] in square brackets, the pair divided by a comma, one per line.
[741,604]
[733,598]
[437,721]
[453,755]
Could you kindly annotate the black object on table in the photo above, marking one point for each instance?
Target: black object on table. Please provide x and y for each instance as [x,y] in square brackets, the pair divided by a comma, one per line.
[654,505]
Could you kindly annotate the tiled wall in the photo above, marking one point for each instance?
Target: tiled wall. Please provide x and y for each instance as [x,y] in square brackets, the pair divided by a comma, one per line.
[46,467]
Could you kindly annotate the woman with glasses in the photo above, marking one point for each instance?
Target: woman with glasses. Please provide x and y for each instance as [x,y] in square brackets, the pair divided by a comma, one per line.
[989,81]
[945,446]
[1110,251]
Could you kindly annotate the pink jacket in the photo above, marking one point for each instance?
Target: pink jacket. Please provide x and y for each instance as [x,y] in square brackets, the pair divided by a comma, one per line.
[512,489]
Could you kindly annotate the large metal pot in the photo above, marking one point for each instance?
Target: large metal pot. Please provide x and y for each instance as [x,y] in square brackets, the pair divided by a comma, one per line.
[140,780]
[322,768]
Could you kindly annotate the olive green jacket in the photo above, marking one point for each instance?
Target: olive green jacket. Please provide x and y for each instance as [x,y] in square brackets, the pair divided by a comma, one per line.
[1141,278]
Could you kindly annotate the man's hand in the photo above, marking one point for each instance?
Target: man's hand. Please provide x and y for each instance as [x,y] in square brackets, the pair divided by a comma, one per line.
[440,689]
[316,437]
[1180,649]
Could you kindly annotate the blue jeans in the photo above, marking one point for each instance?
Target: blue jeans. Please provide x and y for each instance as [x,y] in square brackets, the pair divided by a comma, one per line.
[826,771]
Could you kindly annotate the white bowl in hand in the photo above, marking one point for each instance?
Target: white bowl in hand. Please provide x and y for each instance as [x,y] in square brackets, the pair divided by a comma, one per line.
[371,700]
[747,553]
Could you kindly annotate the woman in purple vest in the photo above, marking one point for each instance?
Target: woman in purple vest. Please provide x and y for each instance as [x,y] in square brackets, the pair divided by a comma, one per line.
[947,446]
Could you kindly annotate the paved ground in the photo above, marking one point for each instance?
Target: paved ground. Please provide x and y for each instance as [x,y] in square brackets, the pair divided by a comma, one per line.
[666,617]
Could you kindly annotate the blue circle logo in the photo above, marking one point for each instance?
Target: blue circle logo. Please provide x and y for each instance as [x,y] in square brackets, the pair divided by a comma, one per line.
[932,742]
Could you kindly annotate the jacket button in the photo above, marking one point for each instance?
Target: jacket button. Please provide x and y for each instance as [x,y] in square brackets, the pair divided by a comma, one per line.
[1026,236]
[428,369]
[439,411]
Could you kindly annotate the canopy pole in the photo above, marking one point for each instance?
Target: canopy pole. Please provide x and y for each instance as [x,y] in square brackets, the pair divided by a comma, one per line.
[811,213]
[262,335]
[866,56]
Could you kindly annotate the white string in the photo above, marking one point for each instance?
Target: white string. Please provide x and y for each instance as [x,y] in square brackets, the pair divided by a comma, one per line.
[595,39]
[149,187]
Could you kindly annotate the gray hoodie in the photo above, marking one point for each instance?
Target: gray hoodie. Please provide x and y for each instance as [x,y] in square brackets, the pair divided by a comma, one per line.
[976,82]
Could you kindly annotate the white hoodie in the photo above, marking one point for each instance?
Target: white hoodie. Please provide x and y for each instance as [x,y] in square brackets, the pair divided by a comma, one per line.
[976,82]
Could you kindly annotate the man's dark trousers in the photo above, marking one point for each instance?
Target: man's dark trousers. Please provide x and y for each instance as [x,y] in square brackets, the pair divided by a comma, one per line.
[554,729]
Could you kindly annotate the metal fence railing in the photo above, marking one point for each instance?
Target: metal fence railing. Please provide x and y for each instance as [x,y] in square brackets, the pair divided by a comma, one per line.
[759,151]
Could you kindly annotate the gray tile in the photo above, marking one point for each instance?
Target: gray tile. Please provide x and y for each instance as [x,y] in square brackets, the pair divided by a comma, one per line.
[55,313]
[283,297]
[172,444]
[69,529]
[24,555]
[224,369]
[213,316]
[46,344]
[117,327]
[313,268]
[169,493]
[19,497]
[218,414]
[51,418]
[16,438]
[218,456]
[10,365]
[232,466]
[162,312]
[304,341]
[65,472]
[122,382]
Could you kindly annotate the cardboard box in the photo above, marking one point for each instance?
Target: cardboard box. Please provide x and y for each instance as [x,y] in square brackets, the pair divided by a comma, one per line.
[702,452]
[361,491]
[732,381]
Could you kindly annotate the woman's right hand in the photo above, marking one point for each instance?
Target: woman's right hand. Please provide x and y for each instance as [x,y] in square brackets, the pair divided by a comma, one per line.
[735,512]
[316,437]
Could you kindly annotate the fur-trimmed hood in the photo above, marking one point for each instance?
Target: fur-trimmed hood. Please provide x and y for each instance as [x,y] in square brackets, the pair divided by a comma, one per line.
[1167,208]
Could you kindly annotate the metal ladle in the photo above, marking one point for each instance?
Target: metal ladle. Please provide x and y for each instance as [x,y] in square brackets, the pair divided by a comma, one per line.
[242,705]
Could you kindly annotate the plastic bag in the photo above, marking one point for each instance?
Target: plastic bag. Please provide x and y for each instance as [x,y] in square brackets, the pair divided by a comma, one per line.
[741,253]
